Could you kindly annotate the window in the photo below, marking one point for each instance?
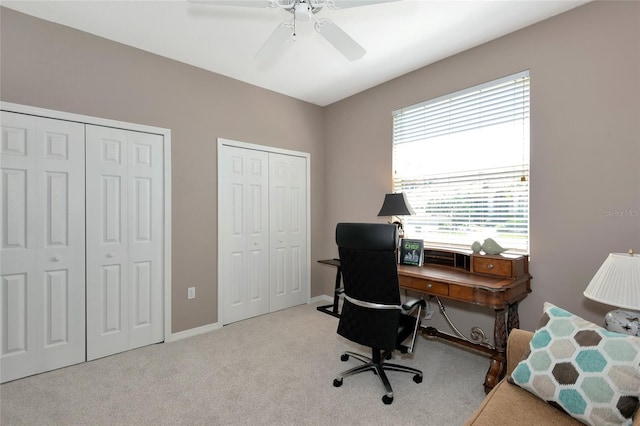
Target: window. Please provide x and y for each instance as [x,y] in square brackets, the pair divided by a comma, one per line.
[463,162]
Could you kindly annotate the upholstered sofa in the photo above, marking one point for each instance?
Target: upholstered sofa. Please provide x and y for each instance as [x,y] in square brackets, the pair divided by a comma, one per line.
[508,404]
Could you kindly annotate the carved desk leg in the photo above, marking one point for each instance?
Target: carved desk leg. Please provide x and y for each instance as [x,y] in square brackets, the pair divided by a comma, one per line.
[498,360]
[514,318]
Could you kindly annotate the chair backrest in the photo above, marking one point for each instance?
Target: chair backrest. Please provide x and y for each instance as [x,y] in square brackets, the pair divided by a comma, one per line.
[370,275]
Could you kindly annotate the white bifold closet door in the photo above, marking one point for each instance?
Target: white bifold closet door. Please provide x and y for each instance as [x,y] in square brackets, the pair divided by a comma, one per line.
[42,299]
[124,240]
[244,262]
[288,230]
[262,231]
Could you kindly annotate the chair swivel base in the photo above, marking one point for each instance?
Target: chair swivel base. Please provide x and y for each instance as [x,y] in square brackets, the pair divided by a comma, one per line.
[379,370]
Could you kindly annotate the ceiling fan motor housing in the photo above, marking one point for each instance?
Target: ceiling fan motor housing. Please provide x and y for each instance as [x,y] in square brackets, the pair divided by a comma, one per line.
[302,11]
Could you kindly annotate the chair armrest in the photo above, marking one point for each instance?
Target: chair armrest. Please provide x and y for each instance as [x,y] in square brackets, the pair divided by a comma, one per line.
[517,347]
[412,303]
[409,307]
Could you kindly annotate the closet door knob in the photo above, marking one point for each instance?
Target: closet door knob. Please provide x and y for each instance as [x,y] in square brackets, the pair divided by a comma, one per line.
[111,254]
[55,258]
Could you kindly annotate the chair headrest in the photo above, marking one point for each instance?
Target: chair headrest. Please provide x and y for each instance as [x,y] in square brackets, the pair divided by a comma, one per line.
[367,236]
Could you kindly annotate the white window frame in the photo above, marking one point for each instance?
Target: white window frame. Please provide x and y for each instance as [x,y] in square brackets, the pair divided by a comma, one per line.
[495,197]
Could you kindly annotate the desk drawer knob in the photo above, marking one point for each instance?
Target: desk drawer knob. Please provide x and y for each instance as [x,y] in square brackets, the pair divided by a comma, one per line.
[429,285]
[490,266]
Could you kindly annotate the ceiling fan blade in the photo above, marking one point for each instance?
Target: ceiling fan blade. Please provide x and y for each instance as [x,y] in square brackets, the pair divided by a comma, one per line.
[343,4]
[278,37]
[339,39]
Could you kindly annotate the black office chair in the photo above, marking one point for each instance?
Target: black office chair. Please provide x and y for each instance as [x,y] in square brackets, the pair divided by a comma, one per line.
[372,313]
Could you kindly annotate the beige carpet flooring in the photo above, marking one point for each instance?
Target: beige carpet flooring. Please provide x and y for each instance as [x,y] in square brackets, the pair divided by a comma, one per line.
[276,369]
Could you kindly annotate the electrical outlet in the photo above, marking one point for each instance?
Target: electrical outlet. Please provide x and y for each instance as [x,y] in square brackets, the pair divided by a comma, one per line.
[191,293]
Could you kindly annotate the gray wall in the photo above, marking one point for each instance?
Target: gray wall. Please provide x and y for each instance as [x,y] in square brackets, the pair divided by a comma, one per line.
[52,66]
[585,140]
[585,145]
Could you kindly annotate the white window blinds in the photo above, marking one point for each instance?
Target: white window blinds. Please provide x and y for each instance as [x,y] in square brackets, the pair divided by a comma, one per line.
[463,162]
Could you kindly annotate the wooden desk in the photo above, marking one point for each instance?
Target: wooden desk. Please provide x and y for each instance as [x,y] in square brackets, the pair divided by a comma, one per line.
[501,294]
[495,282]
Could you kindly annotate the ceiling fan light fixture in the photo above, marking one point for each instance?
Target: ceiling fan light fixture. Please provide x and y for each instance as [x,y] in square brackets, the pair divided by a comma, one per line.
[302,11]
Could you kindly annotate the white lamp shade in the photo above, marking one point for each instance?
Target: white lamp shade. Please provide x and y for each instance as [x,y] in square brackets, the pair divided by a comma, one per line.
[617,282]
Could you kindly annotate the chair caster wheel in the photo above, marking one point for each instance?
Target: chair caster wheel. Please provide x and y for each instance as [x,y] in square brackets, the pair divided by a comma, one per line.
[337,382]
[344,357]
[417,378]
[387,399]
[388,357]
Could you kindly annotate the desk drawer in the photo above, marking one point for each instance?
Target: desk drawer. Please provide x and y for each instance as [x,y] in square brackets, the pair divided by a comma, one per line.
[493,266]
[427,286]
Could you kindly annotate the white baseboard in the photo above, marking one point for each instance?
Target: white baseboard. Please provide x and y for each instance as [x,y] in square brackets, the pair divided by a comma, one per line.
[321,298]
[193,332]
[215,326]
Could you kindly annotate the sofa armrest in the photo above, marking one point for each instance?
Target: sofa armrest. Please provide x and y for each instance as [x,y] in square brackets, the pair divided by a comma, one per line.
[517,347]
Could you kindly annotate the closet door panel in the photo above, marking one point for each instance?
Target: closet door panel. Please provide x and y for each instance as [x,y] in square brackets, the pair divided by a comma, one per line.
[107,254]
[15,221]
[145,238]
[244,239]
[21,349]
[60,149]
[125,240]
[15,323]
[42,244]
[288,225]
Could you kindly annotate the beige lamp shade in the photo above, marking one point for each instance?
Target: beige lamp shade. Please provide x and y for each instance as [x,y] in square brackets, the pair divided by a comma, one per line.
[617,282]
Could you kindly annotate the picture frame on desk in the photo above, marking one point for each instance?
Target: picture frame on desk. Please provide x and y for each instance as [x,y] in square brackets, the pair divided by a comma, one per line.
[411,252]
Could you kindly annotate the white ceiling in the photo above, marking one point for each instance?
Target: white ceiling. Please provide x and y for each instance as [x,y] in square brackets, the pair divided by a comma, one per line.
[399,37]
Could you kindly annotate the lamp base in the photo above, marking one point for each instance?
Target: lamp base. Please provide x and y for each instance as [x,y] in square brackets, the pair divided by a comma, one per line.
[623,321]
[400,226]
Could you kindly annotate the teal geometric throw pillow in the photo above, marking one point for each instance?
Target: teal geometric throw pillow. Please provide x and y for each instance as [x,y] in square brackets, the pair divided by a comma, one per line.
[585,370]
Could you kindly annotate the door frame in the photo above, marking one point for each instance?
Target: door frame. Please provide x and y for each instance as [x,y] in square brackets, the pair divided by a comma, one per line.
[166,134]
[247,145]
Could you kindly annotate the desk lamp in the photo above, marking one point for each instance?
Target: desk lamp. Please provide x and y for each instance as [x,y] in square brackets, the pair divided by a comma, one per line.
[617,283]
[396,205]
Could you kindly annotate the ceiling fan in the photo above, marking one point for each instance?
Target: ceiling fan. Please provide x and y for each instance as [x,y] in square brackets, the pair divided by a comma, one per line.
[303,11]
